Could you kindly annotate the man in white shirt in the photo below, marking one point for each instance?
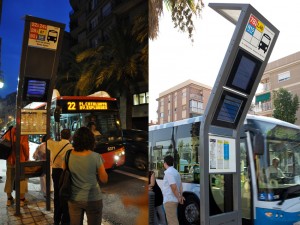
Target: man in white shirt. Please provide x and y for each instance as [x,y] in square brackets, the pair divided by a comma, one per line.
[172,191]
[58,150]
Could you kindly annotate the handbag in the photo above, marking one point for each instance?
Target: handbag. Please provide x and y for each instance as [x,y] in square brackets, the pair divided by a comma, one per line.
[5,146]
[65,189]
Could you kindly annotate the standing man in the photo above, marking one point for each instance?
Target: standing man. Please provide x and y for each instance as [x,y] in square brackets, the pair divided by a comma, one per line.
[172,191]
[58,150]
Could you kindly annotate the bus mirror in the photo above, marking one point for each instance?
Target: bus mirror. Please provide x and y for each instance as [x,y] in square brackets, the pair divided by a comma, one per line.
[258,144]
[57,115]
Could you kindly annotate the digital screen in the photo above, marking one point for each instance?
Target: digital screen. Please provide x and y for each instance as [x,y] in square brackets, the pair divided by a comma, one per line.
[229,109]
[35,89]
[244,73]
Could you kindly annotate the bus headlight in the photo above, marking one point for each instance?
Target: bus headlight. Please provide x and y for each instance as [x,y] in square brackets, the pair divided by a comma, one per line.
[117,158]
[269,214]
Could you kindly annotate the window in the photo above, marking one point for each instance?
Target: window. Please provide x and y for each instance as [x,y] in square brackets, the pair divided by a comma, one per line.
[94,42]
[94,4]
[106,10]
[284,76]
[162,115]
[142,98]
[94,22]
[196,106]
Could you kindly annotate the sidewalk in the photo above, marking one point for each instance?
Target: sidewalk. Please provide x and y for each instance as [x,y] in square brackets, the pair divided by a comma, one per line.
[34,212]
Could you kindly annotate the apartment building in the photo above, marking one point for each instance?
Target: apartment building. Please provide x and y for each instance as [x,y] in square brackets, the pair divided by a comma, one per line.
[185,100]
[282,73]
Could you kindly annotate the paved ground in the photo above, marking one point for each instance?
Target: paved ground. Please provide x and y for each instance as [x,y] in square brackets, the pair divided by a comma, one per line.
[33,213]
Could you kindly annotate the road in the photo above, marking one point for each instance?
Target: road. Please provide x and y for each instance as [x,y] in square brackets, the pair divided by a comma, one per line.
[122,182]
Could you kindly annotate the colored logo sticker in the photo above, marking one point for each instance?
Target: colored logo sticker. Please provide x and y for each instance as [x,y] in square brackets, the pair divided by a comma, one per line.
[257,38]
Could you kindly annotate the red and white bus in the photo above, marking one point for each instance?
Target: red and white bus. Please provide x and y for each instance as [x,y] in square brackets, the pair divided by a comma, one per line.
[73,112]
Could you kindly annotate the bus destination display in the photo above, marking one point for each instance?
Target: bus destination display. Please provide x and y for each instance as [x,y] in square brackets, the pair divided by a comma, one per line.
[86,105]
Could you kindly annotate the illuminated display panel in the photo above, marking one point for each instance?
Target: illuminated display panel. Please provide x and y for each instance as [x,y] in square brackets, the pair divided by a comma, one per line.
[243,72]
[229,110]
[35,89]
[72,106]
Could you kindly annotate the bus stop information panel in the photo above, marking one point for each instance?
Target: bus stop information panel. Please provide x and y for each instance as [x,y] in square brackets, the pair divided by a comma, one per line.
[244,63]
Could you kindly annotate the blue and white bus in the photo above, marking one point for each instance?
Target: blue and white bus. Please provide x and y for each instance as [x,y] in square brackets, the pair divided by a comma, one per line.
[265,199]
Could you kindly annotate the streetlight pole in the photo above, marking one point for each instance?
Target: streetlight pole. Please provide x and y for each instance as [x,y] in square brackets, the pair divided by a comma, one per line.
[1,80]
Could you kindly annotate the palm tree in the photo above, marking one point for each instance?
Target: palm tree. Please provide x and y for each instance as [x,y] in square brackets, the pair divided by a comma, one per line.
[182,12]
[118,65]
[68,74]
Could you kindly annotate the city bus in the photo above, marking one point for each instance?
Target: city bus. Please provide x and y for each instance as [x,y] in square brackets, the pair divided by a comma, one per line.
[73,112]
[264,199]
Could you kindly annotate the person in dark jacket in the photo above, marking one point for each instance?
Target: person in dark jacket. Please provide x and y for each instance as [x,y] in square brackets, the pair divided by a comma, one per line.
[159,215]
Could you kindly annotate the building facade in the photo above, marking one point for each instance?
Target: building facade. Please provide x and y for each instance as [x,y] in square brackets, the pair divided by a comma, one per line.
[282,73]
[182,101]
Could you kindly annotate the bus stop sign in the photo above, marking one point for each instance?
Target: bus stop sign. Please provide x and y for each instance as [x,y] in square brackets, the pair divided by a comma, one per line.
[243,65]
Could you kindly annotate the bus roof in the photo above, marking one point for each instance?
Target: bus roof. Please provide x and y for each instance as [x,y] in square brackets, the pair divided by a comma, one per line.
[199,119]
[82,98]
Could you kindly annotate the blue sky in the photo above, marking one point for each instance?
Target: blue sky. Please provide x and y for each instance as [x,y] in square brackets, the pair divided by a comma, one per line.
[12,30]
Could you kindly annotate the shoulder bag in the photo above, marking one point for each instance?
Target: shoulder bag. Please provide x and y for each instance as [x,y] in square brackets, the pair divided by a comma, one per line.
[65,189]
[5,146]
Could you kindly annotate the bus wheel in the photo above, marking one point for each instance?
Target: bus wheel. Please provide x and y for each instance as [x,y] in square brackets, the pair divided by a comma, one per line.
[189,212]
[140,162]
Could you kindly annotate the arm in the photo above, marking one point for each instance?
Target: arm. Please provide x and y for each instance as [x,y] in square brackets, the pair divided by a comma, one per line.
[102,175]
[176,193]
[152,180]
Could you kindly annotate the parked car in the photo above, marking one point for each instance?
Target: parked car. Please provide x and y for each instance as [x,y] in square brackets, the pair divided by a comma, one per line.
[136,148]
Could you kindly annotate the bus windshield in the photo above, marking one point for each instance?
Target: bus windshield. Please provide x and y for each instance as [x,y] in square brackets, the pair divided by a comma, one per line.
[278,169]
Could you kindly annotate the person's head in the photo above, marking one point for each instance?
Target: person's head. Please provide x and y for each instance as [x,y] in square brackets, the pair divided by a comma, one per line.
[275,161]
[91,126]
[168,161]
[65,134]
[44,138]
[83,139]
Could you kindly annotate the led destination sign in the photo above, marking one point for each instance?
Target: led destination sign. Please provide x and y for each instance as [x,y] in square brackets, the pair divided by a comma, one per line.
[80,105]
[87,105]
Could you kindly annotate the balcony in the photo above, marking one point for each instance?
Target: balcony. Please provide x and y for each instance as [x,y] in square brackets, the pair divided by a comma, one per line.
[263,107]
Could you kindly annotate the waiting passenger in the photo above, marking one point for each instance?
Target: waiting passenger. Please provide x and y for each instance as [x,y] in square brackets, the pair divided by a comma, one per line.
[87,168]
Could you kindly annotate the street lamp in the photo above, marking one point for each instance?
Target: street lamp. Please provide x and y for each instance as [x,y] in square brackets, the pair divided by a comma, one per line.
[1,80]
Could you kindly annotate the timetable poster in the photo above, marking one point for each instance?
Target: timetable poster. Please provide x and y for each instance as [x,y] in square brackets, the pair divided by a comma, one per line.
[33,121]
[222,154]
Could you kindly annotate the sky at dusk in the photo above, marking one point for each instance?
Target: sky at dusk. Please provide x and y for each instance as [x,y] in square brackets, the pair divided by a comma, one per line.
[12,31]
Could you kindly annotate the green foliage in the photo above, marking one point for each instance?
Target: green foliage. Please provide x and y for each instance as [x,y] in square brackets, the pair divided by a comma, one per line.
[285,105]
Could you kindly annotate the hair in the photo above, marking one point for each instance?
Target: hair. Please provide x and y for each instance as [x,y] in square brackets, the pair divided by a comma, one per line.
[65,134]
[44,138]
[90,124]
[83,139]
[169,160]
[276,159]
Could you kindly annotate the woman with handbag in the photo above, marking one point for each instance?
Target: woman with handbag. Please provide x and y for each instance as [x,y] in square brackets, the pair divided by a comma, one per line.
[87,169]
[10,167]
